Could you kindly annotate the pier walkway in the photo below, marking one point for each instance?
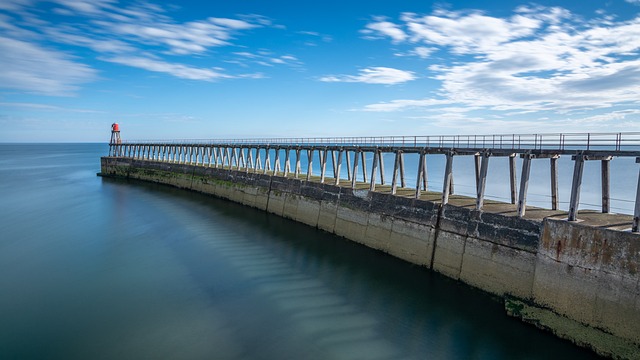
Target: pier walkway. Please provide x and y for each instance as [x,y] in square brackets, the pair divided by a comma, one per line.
[275,156]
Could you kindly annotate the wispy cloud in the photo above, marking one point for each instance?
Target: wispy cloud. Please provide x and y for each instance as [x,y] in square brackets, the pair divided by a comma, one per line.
[374,75]
[177,70]
[35,69]
[141,35]
[539,59]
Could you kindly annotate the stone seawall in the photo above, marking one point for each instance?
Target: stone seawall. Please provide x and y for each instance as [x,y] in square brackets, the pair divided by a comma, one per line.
[585,277]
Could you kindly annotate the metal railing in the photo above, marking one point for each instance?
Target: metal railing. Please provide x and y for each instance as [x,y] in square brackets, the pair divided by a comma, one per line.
[555,141]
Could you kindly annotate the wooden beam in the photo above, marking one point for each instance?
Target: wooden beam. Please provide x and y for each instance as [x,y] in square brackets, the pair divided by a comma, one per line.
[555,200]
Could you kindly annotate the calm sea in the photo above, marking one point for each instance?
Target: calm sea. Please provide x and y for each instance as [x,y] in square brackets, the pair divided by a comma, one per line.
[93,268]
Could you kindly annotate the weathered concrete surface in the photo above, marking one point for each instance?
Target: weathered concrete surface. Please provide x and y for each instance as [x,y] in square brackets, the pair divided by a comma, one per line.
[585,274]
[590,275]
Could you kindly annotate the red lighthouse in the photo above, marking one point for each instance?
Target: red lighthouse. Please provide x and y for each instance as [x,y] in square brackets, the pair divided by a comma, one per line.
[115,134]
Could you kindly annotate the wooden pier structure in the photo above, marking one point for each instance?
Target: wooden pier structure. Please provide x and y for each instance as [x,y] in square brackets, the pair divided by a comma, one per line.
[275,156]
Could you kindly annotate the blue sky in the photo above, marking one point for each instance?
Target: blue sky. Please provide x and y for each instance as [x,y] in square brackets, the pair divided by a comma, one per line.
[255,68]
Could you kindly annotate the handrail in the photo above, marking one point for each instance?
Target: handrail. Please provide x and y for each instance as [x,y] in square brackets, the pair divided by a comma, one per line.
[547,141]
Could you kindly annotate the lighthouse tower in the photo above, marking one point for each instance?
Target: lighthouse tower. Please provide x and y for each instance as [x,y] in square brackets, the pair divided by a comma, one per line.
[115,137]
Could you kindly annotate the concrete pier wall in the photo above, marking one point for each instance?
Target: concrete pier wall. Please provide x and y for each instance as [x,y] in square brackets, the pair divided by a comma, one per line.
[583,274]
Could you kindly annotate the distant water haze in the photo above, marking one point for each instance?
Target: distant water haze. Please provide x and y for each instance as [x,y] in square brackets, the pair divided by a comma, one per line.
[95,268]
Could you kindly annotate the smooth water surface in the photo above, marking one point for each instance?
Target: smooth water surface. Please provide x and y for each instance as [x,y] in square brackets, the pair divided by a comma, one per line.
[93,268]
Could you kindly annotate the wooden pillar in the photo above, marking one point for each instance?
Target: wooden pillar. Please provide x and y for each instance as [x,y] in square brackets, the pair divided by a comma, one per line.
[267,159]
[635,227]
[323,163]
[364,166]
[555,200]
[346,154]
[336,175]
[512,178]
[394,175]
[354,173]
[276,165]
[243,160]
[606,207]
[524,184]
[381,163]
[420,176]
[476,163]
[287,162]
[309,163]
[448,175]
[374,167]
[297,170]
[402,182]
[425,179]
[575,186]
[482,181]
[333,161]
[249,159]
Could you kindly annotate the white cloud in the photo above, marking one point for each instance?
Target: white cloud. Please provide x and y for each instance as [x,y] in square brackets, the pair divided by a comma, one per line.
[177,70]
[31,68]
[374,75]
[541,59]
[386,28]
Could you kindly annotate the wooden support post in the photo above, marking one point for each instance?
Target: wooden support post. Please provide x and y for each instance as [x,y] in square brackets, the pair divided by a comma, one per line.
[243,159]
[364,166]
[512,178]
[333,161]
[297,171]
[237,153]
[606,208]
[635,227]
[448,175]
[354,176]
[309,163]
[524,184]
[267,160]
[374,167]
[276,165]
[476,163]
[575,186]
[420,174]
[394,176]
[482,181]
[258,164]
[249,159]
[402,182]
[336,175]
[346,154]
[323,163]
[287,162]
[381,163]
[425,179]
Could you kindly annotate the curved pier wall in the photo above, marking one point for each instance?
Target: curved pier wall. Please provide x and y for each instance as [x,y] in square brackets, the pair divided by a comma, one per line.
[585,274]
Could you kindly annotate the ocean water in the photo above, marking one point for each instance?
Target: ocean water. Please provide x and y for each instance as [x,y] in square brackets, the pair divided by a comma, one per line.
[95,268]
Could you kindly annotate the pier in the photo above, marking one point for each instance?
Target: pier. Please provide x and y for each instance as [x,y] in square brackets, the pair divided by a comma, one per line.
[275,156]
[573,272]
